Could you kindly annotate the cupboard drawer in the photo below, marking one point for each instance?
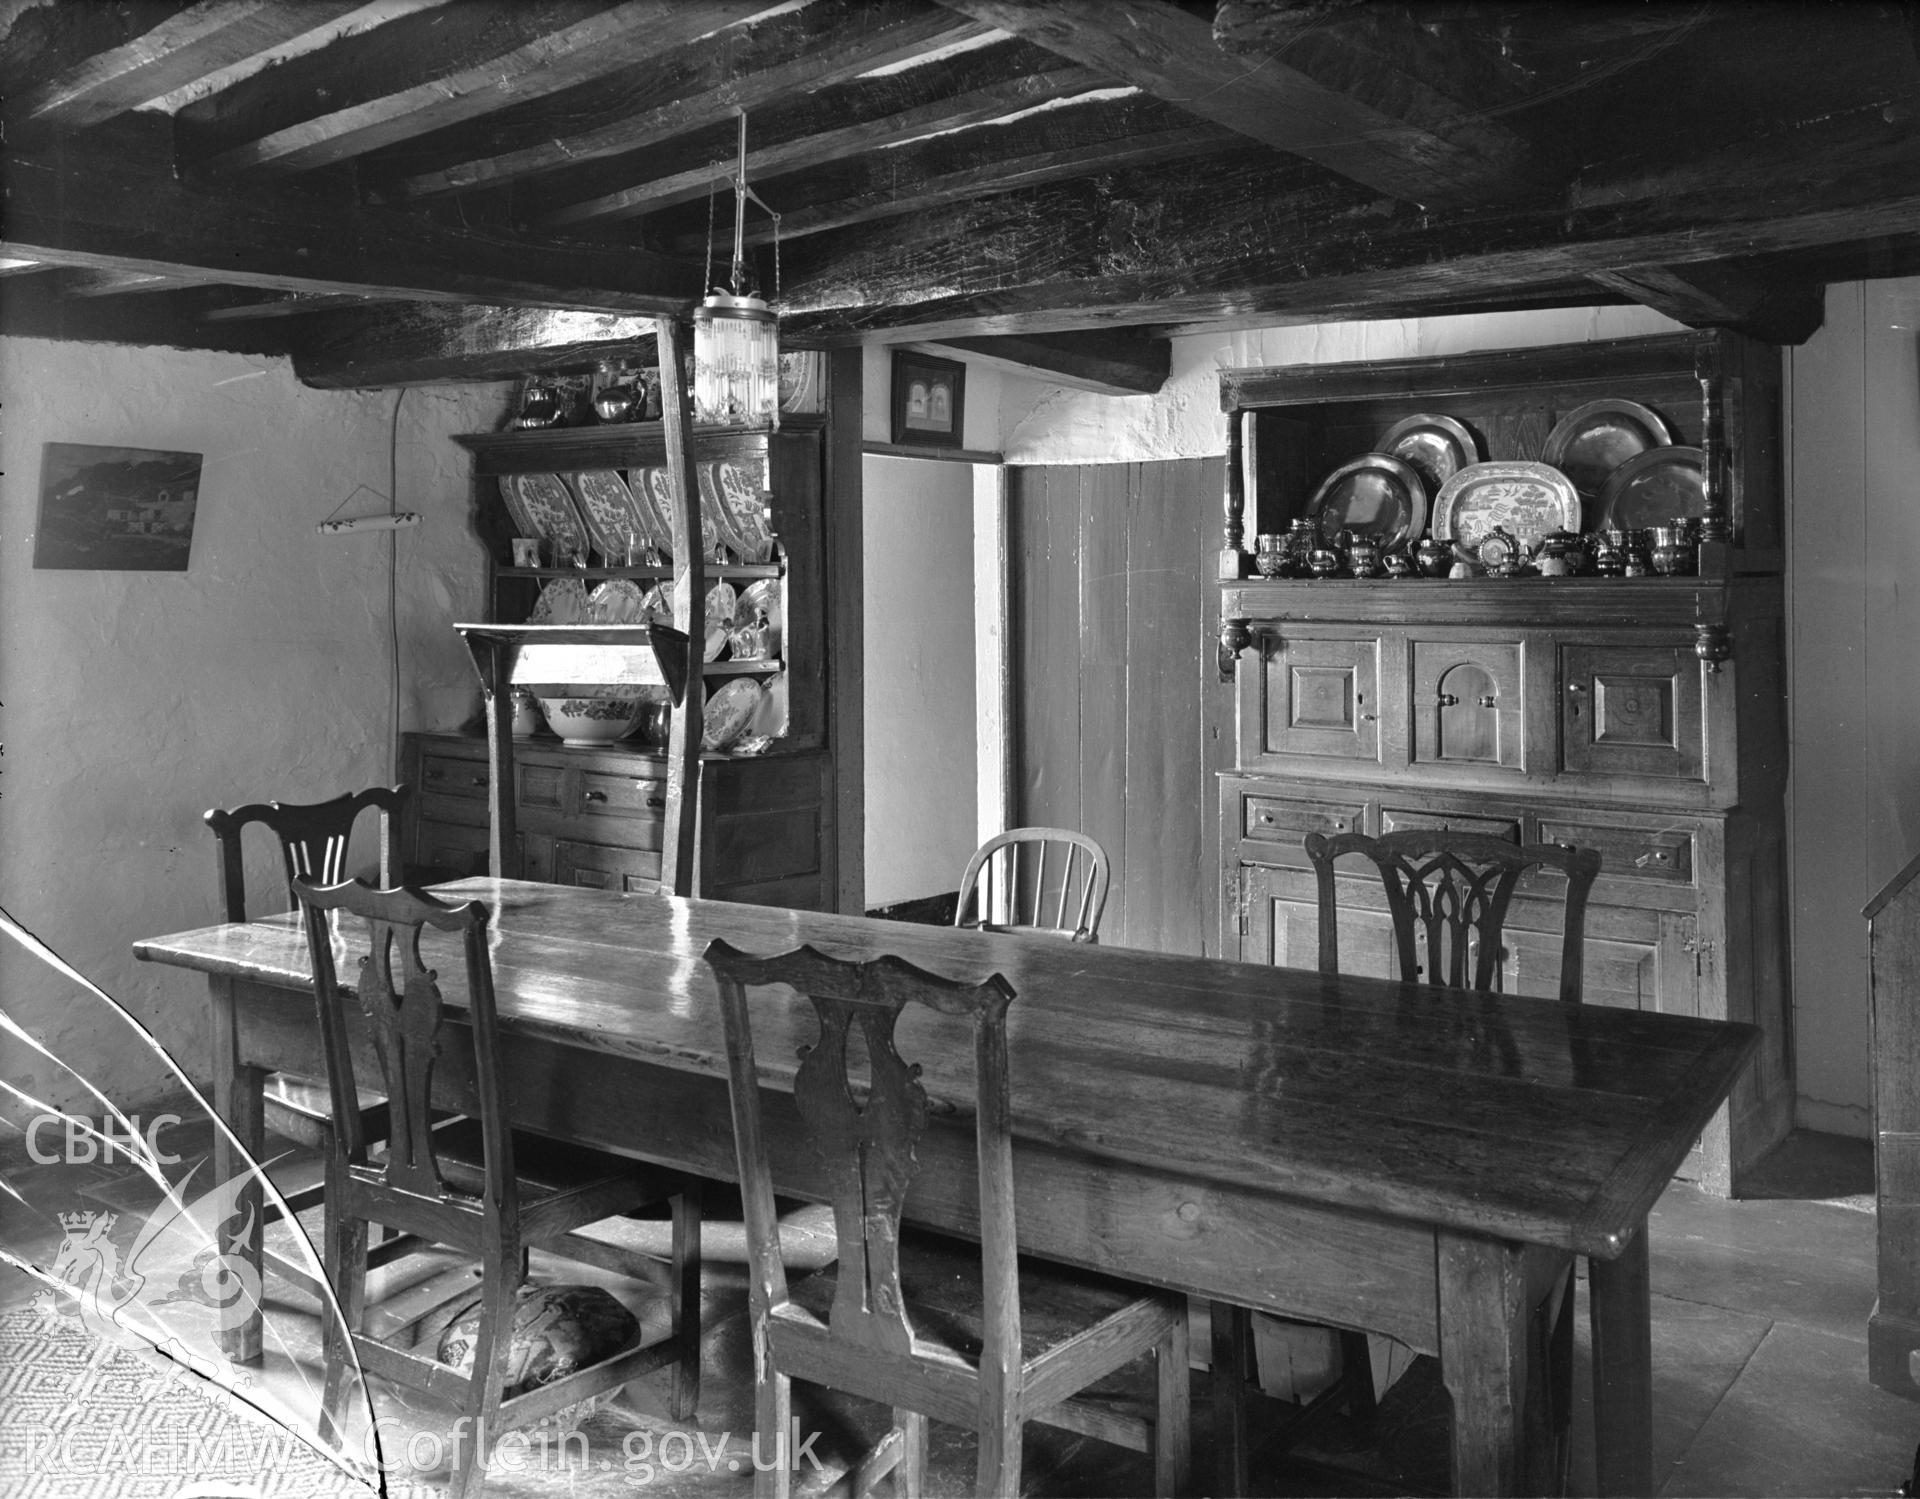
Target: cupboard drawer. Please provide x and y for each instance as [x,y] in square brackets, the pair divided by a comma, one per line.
[1628,853]
[1288,821]
[443,775]
[589,864]
[1400,820]
[608,794]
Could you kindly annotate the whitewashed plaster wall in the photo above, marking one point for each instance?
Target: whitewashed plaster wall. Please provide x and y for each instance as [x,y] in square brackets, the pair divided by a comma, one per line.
[919,676]
[130,702]
[1041,423]
[1853,617]
[980,416]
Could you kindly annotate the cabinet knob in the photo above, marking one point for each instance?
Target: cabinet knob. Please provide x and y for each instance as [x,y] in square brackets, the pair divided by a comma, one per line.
[1368,717]
[1487,701]
[656,801]
[1575,689]
[593,796]
[1447,700]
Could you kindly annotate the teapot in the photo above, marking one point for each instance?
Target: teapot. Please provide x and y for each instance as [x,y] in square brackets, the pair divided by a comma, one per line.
[1433,556]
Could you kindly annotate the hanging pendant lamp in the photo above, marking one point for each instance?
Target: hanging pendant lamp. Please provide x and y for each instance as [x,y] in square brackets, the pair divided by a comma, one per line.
[736,339]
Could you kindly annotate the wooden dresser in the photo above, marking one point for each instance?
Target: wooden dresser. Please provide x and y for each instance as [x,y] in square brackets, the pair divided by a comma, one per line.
[593,815]
[1642,717]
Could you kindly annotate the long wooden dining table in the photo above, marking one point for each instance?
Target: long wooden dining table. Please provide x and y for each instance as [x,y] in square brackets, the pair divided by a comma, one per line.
[1355,1152]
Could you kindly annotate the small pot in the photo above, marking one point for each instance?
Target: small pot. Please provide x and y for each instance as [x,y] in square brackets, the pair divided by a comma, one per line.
[1363,556]
[1674,551]
[1324,562]
[1433,556]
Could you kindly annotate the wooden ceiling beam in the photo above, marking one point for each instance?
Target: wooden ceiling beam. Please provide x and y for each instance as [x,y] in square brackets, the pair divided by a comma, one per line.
[1110,361]
[127,283]
[795,51]
[1372,107]
[109,201]
[1715,296]
[428,344]
[199,40]
[1245,238]
[294,304]
[1073,140]
[472,60]
[832,125]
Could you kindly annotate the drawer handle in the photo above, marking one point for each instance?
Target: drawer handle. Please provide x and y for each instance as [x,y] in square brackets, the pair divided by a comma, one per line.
[594,796]
[1653,856]
[656,801]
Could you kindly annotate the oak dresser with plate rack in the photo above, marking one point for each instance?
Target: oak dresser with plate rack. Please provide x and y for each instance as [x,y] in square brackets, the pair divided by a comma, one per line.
[1641,716]
[593,814]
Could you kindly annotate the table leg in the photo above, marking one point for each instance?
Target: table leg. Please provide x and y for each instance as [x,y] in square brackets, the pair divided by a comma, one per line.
[1232,1332]
[237,1098]
[1622,1370]
[1484,1352]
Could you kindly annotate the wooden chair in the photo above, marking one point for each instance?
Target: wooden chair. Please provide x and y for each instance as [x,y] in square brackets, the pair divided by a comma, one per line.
[313,839]
[1448,894]
[922,1323]
[1007,877]
[475,1185]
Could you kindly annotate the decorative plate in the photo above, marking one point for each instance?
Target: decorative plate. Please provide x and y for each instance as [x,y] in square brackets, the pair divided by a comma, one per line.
[522,522]
[1653,487]
[614,520]
[729,707]
[747,510]
[658,604]
[762,599]
[661,482]
[1438,446]
[715,516]
[563,601]
[721,602]
[549,509]
[1376,494]
[1529,499]
[1591,441]
[618,601]
[769,719]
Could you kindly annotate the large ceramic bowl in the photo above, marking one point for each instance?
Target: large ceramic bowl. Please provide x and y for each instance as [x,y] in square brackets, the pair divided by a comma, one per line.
[592,720]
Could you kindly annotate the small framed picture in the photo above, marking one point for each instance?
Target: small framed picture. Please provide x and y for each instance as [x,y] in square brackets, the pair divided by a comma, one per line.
[929,400]
[121,509]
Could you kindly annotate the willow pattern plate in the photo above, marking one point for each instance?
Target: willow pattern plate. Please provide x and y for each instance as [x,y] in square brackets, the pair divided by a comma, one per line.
[721,603]
[618,601]
[746,510]
[563,601]
[729,708]
[1591,441]
[1529,499]
[549,506]
[715,516]
[612,516]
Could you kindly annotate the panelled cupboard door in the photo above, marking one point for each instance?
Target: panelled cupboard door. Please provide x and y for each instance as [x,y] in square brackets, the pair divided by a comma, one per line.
[1631,710]
[1283,926]
[1314,696]
[1467,704]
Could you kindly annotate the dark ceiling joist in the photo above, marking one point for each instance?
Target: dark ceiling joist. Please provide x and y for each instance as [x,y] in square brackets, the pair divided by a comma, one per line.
[112,204]
[1247,241]
[426,344]
[1110,361]
[1714,296]
[1073,140]
[810,48]
[197,41]
[1372,109]
[837,123]
[126,283]
[294,304]
[450,67]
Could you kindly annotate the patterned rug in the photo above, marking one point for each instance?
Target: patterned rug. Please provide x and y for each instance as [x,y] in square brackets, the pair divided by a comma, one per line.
[81,1420]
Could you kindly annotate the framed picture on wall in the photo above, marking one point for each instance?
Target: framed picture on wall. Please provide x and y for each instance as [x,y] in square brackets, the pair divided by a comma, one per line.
[123,509]
[929,400]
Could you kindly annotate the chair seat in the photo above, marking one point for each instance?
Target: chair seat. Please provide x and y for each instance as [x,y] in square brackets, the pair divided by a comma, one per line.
[941,1281]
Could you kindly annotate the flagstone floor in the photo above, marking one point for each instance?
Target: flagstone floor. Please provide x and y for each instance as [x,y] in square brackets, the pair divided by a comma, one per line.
[1760,1310]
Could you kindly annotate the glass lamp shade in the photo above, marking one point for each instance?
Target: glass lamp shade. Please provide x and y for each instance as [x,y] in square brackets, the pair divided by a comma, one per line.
[736,362]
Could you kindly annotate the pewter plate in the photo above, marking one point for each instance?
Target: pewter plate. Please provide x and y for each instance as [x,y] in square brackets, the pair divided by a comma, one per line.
[1377,495]
[1529,499]
[1438,446]
[1591,441]
[1653,488]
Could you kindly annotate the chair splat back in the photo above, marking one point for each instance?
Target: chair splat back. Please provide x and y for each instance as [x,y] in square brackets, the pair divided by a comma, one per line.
[1454,890]
[868,1148]
[405,1014]
[1050,880]
[313,840]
